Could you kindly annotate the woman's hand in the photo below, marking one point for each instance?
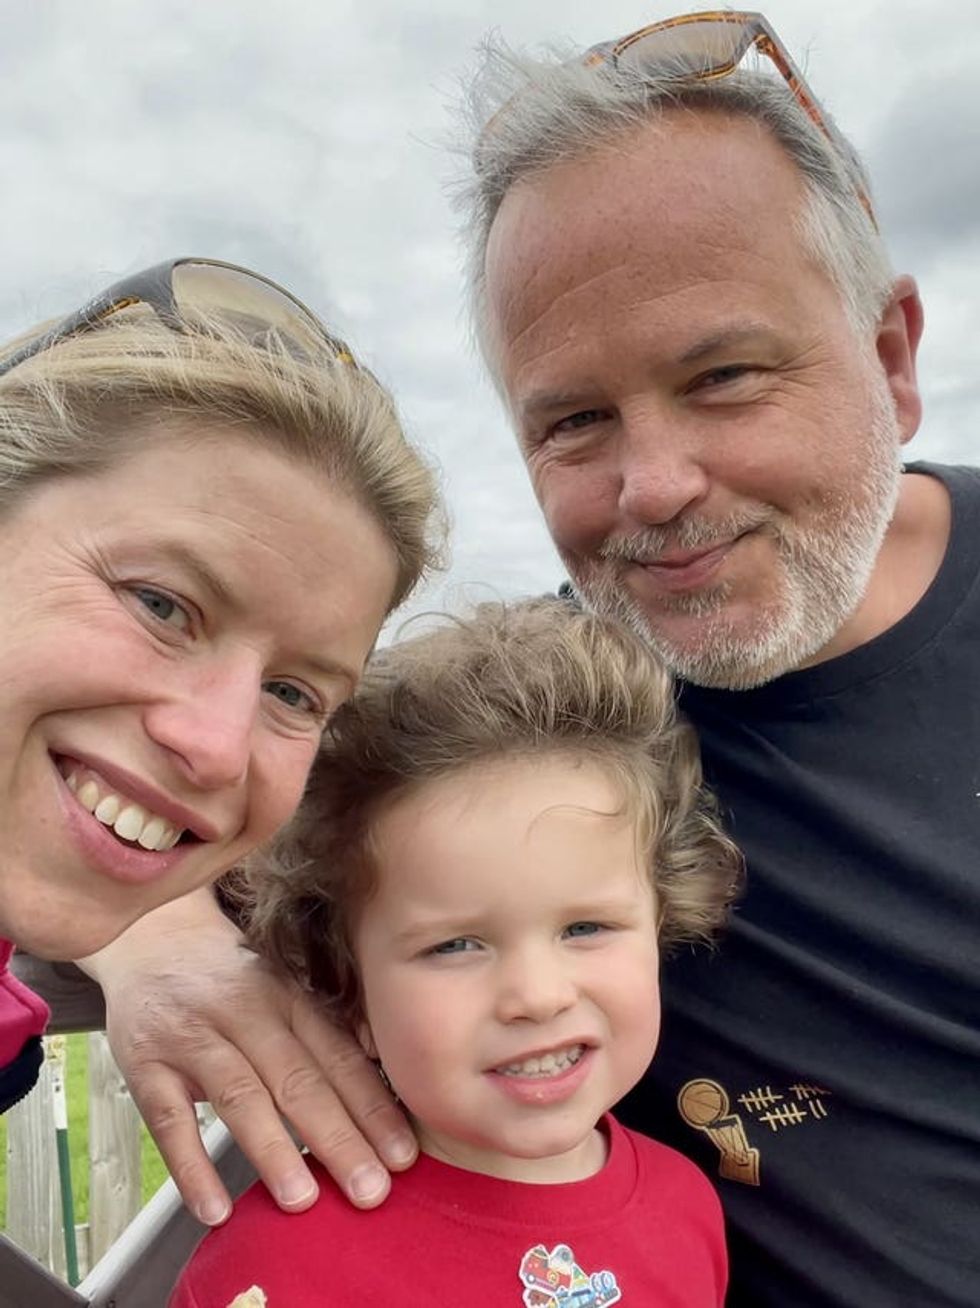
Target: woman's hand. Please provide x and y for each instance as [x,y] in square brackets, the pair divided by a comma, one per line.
[192,1014]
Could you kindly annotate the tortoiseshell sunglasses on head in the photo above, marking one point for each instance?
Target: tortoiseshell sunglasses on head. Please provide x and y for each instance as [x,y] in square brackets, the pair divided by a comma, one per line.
[709,45]
[179,289]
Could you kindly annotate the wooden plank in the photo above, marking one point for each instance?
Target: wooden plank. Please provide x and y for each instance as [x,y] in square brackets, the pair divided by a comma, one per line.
[75,1000]
[114,1149]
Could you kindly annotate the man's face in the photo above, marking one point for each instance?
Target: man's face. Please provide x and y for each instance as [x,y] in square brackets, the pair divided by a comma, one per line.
[714,449]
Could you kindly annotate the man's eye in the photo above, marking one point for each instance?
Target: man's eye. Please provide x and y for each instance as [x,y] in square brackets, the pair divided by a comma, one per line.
[732,372]
[579,929]
[294,697]
[579,421]
[163,607]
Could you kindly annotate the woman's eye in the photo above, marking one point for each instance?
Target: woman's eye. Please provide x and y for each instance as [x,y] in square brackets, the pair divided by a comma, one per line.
[294,697]
[163,607]
[579,929]
[458,945]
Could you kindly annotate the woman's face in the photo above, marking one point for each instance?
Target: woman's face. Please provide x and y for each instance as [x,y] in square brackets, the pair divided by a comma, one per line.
[176,631]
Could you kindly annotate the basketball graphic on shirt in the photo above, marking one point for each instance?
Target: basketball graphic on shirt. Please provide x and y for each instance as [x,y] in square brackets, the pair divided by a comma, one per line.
[701,1103]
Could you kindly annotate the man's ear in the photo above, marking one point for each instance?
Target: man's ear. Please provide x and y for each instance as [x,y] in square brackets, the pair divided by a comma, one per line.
[897,344]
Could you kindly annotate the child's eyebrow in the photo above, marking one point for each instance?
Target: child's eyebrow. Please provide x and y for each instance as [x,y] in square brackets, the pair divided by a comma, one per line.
[436,928]
[612,906]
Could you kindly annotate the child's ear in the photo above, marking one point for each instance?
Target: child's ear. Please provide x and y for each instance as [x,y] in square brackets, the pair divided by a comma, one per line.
[365,1039]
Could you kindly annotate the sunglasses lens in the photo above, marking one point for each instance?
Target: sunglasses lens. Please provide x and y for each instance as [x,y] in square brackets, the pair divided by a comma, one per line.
[686,49]
[251,302]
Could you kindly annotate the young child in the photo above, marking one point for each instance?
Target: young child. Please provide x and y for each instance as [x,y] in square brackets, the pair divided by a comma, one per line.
[504,828]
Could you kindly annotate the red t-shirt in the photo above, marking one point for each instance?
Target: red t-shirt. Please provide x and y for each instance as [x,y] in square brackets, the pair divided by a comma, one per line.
[646,1229]
[22,1013]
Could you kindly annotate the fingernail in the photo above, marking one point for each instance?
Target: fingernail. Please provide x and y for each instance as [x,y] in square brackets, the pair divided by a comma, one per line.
[367,1183]
[297,1189]
[213,1211]
[400,1150]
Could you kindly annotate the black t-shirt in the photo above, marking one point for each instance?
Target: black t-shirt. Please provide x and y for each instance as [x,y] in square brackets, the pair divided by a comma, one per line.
[824,1064]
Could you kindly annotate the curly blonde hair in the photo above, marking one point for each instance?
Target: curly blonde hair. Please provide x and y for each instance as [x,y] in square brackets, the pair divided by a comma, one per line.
[522,680]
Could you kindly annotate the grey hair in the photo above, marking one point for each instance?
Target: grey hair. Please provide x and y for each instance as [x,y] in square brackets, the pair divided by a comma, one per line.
[523,116]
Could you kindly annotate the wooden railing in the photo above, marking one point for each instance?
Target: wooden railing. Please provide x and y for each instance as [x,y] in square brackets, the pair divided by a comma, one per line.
[136,1254]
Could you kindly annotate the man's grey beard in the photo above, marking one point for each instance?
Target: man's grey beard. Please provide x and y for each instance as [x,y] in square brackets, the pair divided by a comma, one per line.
[824,572]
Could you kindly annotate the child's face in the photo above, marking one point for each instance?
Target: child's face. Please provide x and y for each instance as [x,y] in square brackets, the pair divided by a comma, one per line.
[509,963]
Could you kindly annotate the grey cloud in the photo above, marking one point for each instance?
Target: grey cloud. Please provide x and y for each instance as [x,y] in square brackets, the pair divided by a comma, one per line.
[927,167]
[302,138]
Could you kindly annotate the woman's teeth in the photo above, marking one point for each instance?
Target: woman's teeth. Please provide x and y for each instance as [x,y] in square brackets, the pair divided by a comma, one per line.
[547,1064]
[129,820]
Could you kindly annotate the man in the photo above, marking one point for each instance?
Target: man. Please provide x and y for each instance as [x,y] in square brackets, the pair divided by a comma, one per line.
[682,294]
[681,291]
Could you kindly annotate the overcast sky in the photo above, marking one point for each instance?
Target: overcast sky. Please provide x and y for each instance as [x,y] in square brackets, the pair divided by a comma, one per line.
[304,138]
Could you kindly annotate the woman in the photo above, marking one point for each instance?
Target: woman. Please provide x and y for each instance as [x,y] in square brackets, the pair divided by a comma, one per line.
[207,508]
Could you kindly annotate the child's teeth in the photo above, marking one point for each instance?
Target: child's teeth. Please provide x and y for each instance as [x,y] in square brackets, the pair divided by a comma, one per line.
[547,1064]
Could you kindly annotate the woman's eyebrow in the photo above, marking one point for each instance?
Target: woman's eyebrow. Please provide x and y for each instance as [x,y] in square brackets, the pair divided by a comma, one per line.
[191,562]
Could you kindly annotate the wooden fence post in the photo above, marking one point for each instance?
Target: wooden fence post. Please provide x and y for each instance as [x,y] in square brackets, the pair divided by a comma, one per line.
[114,1149]
[33,1192]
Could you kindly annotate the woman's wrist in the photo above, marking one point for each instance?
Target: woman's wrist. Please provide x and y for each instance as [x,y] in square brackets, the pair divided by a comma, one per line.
[198,911]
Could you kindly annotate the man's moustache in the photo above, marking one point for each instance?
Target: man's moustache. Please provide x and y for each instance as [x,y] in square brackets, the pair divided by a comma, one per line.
[654,543]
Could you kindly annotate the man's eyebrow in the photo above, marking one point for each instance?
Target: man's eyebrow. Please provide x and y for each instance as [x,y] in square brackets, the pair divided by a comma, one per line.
[551,401]
[736,334]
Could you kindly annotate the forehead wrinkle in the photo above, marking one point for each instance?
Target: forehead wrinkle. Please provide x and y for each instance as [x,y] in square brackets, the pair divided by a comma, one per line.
[623,243]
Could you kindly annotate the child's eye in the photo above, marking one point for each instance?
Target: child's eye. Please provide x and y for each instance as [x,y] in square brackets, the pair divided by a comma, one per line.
[458,945]
[163,607]
[579,929]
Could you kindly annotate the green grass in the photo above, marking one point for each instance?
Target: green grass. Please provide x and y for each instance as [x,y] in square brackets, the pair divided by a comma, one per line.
[153,1173]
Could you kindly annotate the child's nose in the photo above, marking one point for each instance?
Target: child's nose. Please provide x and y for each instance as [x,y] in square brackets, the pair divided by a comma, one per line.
[534,986]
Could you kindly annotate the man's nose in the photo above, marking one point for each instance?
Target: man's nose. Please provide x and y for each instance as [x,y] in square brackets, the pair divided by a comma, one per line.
[534,985]
[662,473]
[207,721]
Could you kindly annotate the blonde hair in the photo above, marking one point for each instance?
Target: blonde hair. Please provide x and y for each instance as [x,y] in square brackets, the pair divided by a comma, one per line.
[92,399]
[512,681]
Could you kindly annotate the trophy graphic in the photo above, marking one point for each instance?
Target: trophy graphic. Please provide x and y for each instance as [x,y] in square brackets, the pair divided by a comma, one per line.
[704,1105]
